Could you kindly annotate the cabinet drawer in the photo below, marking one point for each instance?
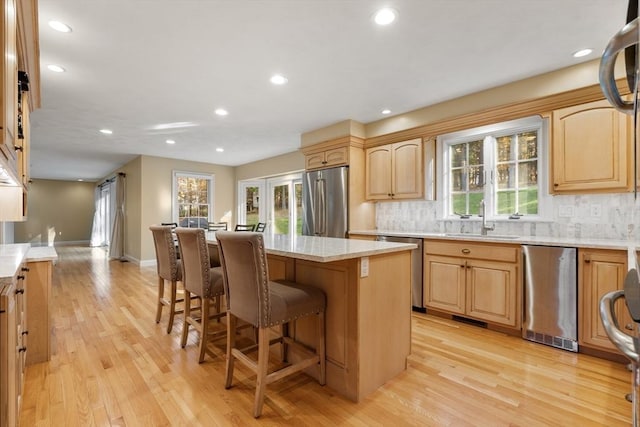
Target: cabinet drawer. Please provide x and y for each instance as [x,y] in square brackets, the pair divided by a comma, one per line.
[497,252]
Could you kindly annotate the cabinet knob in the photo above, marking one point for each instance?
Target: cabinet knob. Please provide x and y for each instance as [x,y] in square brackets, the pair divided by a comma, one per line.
[18,147]
[555,185]
[21,277]
[466,251]
[19,291]
[461,265]
[25,268]
[22,349]
[25,332]
[587,259]
[628,327]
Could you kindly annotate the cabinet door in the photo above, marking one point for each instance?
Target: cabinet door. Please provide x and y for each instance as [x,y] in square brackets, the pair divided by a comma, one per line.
[492,292]
[378,173]
[314,161]
[408,176]
[9,98]
[444,283]
[599,272]
[591,149]
[336,157]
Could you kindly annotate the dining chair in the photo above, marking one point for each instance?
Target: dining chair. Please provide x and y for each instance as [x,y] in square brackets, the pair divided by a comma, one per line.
[263,303]
[171,224]
[169,269]
[216,226]
[244,227]
[260,227]
[202,281]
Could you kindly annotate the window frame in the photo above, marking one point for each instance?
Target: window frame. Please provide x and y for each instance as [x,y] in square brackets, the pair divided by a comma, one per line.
[490,154]
[174,192]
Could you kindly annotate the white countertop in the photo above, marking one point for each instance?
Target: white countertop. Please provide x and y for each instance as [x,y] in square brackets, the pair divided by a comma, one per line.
[42,253]
[324,249]
[518,240]
[11,256]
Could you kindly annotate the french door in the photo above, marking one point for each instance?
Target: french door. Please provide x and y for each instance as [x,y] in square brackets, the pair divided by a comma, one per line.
[285,205]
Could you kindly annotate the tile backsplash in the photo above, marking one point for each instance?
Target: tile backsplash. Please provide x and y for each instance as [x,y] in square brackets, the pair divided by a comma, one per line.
[608,216]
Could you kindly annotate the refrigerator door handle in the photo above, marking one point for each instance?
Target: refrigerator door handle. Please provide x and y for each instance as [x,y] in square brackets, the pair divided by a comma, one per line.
[321,228]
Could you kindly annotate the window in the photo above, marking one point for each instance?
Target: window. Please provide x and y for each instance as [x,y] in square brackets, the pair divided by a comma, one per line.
[192,199]
[501,164]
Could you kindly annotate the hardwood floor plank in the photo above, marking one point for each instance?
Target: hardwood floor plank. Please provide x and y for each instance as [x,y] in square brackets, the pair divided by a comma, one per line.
[113,365]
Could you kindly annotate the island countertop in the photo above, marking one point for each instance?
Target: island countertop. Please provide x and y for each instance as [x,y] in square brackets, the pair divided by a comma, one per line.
[324,249]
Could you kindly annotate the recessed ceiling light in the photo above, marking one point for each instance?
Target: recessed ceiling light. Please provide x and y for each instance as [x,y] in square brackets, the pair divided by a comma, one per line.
[582,52]
[80,179]
[386,111]
[278,79]
[56,68]
[170,141]
[59,26]
[221,112]
[220,149]
[385,16]
[106,131]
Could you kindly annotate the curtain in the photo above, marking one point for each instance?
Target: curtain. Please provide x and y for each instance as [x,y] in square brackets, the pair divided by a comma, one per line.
[116,249]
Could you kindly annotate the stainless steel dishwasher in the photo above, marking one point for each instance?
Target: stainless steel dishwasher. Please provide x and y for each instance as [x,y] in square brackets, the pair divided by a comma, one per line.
[551,296]
[416,268]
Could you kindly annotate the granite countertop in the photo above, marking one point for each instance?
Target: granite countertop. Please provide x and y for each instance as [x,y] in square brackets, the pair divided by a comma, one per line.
[324,249]
[519,240]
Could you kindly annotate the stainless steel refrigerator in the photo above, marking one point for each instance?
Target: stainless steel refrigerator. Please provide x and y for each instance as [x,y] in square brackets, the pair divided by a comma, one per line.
[325,202]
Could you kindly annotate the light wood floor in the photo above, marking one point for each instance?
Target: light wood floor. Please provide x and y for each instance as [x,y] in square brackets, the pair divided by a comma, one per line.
[113,365]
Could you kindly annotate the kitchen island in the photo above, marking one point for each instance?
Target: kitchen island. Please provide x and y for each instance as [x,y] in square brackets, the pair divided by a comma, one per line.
[368,317]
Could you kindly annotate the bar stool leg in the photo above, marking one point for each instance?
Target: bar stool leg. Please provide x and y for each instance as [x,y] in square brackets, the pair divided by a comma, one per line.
[160,297]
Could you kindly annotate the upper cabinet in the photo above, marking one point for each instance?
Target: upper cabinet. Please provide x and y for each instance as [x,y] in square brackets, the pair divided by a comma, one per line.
[19,95]
[326,158]
[591,150]
[9,86]
[395,171]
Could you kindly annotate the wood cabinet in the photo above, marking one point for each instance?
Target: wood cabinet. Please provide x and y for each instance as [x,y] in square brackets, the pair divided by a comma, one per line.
[395,171]
[9,84]
[599,271]
[327,158]
[591,150]
[475,280]
[13,346]
[39,308]
[345,151]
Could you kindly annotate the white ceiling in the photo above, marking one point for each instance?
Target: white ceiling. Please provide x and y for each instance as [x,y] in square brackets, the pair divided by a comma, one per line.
[134,64]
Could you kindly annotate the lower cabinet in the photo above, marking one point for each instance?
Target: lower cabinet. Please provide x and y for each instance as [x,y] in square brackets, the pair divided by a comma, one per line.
[599,272]
[474,280]
[13,346]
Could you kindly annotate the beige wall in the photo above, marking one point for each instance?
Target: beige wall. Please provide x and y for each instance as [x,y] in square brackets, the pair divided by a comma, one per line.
[148,192]
[279,165]
[57,211]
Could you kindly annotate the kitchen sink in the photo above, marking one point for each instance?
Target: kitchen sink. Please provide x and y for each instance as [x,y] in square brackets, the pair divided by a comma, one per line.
[480,236]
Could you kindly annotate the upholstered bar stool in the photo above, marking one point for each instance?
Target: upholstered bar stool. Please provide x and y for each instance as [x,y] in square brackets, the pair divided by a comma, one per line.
[252,297]
[169,269]
[203,281]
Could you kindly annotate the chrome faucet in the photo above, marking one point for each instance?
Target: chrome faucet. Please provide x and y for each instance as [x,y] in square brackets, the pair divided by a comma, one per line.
[483,214]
